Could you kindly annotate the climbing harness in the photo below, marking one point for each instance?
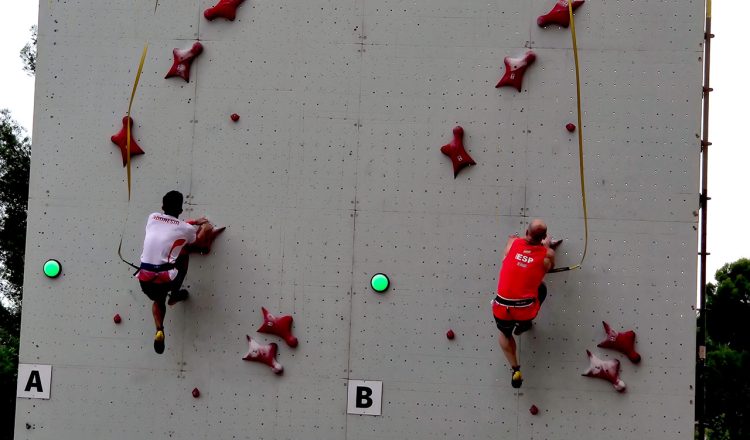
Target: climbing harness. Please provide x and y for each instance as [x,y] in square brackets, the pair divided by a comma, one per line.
[580,147]
[127,149]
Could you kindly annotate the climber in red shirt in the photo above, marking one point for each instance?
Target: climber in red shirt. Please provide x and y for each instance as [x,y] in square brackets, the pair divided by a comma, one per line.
[520,290]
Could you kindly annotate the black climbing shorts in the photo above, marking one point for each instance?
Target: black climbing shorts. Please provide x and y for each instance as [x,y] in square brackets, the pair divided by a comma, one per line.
[156,292]
[507,327]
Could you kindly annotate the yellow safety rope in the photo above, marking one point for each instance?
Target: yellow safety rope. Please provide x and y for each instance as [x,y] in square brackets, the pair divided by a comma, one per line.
[580,145]
[127,141]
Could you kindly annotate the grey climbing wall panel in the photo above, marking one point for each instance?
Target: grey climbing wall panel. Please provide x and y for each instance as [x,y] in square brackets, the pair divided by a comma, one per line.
[334,173]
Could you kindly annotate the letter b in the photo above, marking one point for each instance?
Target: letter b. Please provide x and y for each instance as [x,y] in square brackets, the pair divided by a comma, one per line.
[363,397]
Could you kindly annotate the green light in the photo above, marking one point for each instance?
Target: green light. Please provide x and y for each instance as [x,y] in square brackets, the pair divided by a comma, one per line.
[52,268]
[379,282]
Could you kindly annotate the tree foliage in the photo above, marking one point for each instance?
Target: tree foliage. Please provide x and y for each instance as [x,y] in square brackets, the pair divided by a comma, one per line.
[728,353]
[28,53]
[14,189]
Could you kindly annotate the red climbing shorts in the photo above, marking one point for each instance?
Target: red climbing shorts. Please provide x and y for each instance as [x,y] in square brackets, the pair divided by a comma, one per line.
[510,314]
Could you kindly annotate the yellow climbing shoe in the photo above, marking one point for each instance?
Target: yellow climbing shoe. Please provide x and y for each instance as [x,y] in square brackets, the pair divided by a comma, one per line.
[517,379]
[159,341]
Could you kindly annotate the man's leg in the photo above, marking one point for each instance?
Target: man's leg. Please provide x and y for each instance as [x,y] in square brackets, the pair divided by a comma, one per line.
[158,294]
[508,344]
[159,309]
[176,293]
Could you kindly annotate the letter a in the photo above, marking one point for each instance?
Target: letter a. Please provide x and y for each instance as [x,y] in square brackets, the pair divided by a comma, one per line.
[35,381]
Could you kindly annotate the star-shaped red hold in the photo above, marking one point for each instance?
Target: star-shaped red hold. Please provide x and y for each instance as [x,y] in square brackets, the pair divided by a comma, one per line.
[559,14]
[514,70]
[278,325]
[183,58]
[455,150]
[607,370]
[120,139]
[225,9]
[624,342]
[263,353]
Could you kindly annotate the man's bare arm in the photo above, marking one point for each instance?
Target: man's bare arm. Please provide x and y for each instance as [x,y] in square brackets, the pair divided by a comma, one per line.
[549,259]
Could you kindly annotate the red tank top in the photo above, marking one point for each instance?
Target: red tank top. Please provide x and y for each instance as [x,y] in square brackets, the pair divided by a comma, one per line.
[522,271]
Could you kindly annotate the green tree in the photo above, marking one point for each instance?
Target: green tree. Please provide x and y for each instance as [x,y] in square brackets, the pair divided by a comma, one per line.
[14,188]
[728,353]
[28,53]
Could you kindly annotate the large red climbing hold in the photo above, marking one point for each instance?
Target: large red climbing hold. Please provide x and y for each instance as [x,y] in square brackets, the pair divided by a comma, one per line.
[183,58]
[559,14]
[278,325]
[514,70]
[224,9]
[624,342]
[607,370]
[120,139]
[205,237]
[455,150]
[265,354]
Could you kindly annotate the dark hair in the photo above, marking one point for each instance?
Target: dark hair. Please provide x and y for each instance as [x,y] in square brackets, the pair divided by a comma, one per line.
[172,203]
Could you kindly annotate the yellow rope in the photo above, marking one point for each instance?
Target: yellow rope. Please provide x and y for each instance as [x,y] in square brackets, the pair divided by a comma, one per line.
[130,106]
[580,145]
[127,140]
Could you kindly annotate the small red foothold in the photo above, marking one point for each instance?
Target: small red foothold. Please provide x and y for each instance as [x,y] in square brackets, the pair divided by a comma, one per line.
[196,393]
[450,334]
[235,117]
[515,69]
[571,127]
[117,319]
[534,410]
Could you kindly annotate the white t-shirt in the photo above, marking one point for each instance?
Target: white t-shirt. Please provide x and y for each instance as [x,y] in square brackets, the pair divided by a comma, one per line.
[165,238]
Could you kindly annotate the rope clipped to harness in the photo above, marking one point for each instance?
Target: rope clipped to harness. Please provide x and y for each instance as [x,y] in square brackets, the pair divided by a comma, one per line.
[580,148]
[127,148]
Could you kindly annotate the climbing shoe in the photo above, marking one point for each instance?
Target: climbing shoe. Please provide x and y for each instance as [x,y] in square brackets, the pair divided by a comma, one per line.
[517,378]
[159,341]
[174,298]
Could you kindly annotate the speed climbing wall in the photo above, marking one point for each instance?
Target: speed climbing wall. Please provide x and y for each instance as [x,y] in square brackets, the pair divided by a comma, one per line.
[333,173]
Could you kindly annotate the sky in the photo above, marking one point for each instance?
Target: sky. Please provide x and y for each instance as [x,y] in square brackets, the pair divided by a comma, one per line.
[729,156]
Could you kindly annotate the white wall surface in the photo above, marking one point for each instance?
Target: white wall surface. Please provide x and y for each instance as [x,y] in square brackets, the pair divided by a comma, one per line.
[334,173]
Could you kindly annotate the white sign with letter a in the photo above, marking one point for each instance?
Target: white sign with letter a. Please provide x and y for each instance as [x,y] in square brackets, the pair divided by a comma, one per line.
[34,381]
[365,397]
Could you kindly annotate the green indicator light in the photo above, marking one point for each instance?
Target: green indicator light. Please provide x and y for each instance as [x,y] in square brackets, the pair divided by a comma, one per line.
[52,268]
[380,282]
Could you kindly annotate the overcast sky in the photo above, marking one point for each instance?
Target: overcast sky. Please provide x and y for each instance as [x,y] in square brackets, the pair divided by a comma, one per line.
[729,156]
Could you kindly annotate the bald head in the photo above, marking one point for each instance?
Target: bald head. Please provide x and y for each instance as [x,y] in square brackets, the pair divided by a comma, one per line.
[537,231]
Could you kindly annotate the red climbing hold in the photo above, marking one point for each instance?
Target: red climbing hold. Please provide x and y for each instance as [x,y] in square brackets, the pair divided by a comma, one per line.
[534,410]
[514,70]
[183,58]
[205,237]
[450,334]
[624,342]
[607,370]
[120,139]
[571,127]
[278,325]
[455,150]
[235,117]
[224,9]
[196,393]
[559,14]
[117,319]
[265,354]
